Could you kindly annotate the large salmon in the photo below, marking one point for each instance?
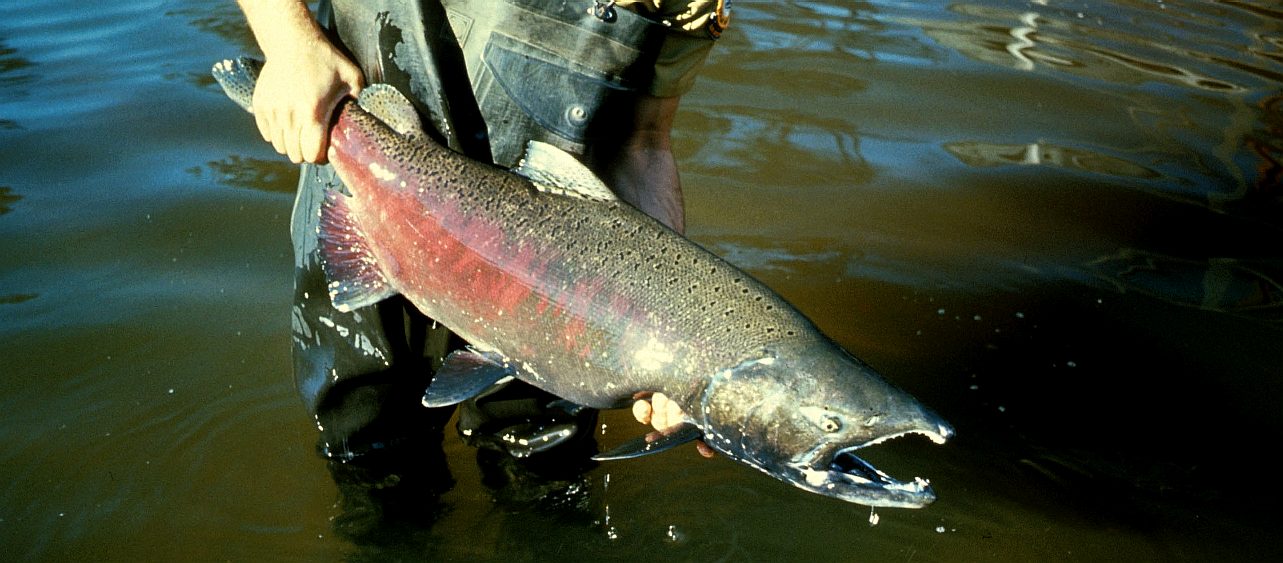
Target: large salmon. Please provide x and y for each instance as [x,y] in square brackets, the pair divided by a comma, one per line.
[554,281]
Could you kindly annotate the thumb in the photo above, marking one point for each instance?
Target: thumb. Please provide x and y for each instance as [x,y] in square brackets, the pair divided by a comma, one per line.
[351,78]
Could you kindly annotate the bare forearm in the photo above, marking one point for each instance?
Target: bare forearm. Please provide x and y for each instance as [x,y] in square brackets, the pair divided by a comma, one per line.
[640,167]
[646,177]
[303,79]
[281,27]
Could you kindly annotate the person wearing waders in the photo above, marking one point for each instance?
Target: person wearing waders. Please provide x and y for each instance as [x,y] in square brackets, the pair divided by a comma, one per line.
[599,79]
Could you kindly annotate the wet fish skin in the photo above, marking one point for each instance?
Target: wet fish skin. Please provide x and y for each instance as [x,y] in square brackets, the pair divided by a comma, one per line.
[595,302]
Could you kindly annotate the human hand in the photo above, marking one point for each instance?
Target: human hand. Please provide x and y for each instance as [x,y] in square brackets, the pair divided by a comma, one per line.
[664,414]
[297,92]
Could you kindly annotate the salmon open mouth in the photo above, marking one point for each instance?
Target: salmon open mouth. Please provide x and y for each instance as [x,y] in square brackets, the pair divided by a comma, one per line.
[846,476]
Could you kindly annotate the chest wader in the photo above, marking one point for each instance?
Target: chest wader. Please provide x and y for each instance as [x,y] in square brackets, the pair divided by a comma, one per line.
[487,75]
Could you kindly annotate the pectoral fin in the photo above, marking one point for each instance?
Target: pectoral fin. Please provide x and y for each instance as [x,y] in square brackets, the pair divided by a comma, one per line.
[641,446]
[463,375]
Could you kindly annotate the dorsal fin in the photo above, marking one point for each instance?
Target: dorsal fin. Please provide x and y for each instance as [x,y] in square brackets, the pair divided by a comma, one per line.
[555,171]
[391,107]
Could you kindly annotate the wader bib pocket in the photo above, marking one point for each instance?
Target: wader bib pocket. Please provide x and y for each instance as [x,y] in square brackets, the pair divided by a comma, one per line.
[552,71]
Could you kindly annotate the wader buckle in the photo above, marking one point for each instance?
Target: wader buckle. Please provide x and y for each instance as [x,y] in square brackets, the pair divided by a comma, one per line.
[603,10]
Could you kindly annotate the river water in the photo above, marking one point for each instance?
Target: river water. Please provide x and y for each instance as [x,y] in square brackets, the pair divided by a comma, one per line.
[1060,224]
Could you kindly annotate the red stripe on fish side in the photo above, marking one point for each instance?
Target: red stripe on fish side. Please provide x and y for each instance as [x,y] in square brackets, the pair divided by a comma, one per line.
[438,250]
[443,254]
[428,245]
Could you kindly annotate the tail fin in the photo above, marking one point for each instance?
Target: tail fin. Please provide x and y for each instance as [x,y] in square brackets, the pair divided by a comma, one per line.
[238,77]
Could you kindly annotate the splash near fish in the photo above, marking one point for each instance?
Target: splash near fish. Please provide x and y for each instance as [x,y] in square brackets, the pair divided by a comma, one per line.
[554,281]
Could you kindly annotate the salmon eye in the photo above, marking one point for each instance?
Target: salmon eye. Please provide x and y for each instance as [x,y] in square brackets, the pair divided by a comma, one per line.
[830,424]
[824,419]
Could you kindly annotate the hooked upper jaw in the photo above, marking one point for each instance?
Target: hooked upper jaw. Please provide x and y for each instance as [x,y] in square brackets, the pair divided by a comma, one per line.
[802,416]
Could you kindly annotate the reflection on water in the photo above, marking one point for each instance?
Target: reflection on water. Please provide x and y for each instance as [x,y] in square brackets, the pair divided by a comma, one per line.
[7,198]
[252,173]
[13,73]
[1079,44]
[1225,285]
[223,19]
[1131,45]
[1039,153]
[761,259]
[1267,146]
[16,298]
[1121,42]
[1056,223]
[14,69]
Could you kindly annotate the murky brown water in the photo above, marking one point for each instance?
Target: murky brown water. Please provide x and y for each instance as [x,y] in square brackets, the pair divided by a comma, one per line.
[1059,224]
